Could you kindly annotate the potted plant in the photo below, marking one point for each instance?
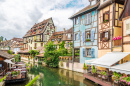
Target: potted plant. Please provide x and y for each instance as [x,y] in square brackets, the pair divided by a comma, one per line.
[104,39]
[94,71]
[88,40]
[104,75]
[85,68]
[35,47]
[105,21]
[116,77]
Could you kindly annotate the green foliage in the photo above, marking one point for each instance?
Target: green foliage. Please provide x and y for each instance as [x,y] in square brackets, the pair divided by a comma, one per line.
[15,73]
[94,70]
[32,82]
[3,78]
[33,52]
[10,52]
[85,67]
[51,55]
[116,76]
[88,40]
[103,73]
[17,58]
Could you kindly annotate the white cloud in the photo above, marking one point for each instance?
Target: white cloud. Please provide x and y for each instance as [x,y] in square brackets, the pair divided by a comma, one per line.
[18,16]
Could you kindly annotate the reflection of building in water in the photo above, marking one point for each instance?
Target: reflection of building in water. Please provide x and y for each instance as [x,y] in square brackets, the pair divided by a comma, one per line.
[74,78]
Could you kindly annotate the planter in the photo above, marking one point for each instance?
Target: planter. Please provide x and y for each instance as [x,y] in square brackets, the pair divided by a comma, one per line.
[104,77]
[85,71]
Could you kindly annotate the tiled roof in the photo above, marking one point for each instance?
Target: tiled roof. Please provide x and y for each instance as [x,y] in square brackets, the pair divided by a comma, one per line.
[84,10]
[55,33]
[69,30]
[24,51]
[40,27]
[17,39]
[5,55]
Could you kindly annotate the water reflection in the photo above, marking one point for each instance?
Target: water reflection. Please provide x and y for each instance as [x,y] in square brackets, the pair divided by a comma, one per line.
[55,77]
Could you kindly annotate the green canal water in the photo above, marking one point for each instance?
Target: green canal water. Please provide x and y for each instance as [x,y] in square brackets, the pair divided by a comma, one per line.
[55,77]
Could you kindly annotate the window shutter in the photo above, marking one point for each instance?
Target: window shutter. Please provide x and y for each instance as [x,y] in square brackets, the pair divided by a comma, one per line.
[79,36]
[83,36]
[74,21]
[74,36]
[90,17]
[92,52]
[92,35]
[83,52]
[101,36]
[108,35]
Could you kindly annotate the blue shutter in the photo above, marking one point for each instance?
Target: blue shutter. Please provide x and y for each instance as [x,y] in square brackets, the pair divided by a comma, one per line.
[92,35]
[79,36]
[92,52]
[74,36]
[74,21]
[83,36]
[83,52]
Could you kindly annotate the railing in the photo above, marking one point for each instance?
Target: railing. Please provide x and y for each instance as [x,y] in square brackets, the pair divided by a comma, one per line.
[3,73]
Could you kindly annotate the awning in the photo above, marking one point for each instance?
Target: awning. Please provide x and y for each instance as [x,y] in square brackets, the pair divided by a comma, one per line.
[122,68]
[109,59]
[8,61]
[90,61]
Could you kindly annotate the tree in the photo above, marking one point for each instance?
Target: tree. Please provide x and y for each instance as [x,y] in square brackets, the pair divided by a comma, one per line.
[51,55]
[62,50]
[17,58]
[33,53]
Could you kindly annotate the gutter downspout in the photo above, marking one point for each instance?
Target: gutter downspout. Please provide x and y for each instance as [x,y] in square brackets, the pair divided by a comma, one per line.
[73,47]
[112,27]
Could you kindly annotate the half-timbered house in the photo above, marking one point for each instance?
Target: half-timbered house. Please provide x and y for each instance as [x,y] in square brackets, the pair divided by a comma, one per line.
[39,34]
[85,31]
[109,28]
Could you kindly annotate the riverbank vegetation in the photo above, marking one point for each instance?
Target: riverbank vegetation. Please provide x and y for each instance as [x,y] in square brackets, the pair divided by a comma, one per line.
[32,82]
[3,78]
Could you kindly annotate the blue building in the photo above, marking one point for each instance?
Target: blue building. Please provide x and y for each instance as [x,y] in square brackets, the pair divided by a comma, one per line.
[85,23]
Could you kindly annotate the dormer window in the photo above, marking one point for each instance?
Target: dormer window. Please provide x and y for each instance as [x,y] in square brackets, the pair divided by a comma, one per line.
[93,2]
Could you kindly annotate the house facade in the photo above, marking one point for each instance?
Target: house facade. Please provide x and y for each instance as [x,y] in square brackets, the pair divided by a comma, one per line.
[39,34]
[125,21]
[85,31]
[68,37]
[109,27]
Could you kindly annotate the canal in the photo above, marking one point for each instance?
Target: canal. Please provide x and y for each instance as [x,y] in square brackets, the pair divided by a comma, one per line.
[55,77]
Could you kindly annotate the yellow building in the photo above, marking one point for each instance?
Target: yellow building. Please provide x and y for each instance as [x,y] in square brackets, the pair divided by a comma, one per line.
[109,26]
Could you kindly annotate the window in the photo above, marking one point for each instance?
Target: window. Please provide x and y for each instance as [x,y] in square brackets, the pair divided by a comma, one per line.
[106,17]
[77,20]
[35,44]
[69,36]
[58,40]
[93,2]
[76,36]
[88,52]
[53,40]
[105,36]
[127,27]
[41,44]
[88,36]
[88,18]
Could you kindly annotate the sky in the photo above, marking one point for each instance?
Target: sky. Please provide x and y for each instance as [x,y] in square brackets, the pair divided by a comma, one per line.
[18,16]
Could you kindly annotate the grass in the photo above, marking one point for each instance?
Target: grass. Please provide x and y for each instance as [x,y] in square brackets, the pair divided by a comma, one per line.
[34,80]
[3,78]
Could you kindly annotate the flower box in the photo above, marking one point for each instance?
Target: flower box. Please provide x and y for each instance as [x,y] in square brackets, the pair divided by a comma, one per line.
[105,39]
[87,40]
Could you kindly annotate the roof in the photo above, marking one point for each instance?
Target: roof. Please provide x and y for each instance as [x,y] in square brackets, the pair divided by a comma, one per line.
[41,50]
[109,59]
[5,55]
[17,39]
[40,55]
[126,11]
[84,10]
[109,2]
[39,26]
[24,51]
[55,33]
[122,68]
[69,30]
